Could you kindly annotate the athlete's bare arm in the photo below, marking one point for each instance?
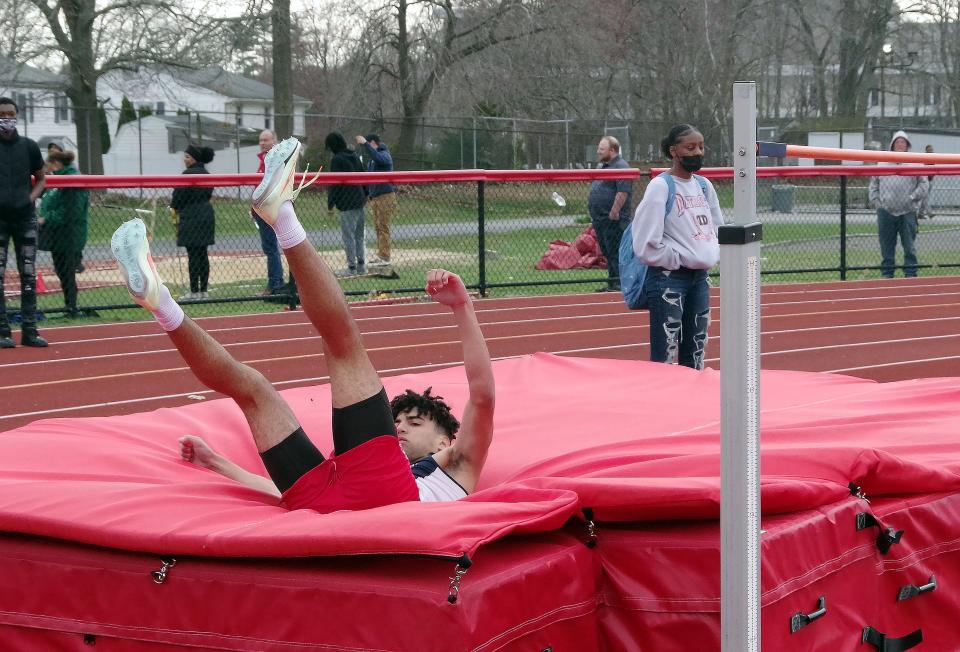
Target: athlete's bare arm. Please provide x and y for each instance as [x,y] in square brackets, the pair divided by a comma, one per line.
[464,459]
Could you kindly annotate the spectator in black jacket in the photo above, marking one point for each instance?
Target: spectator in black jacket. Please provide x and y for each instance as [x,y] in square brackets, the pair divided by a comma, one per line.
[349,199]
[195,222]
[19,160]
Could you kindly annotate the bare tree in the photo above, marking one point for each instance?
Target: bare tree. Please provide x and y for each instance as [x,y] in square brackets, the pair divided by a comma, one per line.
[416,50]
[864,26]
[817,42]
[124,35]
[946,15]
[19,41]
[282,68]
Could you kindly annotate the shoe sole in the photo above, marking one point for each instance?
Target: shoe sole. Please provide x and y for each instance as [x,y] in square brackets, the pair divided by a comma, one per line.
[273,184]
[129,246]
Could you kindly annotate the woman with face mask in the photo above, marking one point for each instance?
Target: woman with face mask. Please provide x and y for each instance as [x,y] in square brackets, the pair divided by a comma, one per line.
[675,235]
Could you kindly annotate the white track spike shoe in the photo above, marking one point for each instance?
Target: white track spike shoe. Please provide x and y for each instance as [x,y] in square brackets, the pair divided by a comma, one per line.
[132,251]
[276,187]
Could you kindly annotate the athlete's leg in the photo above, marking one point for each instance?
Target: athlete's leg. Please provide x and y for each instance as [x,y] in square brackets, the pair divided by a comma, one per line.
[271,420]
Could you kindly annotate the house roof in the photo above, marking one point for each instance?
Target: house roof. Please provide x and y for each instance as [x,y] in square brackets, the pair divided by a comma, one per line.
[20,74]
[230,84]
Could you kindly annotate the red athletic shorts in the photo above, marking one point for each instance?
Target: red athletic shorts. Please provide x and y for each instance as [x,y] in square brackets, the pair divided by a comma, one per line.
[373,474]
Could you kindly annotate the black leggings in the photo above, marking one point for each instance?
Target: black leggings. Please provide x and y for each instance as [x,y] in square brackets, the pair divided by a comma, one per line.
[352,425]
[65,263]
[198,264]
[22,229]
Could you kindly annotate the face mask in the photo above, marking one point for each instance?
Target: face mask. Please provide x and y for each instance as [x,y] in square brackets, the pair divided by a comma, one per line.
[8,125]
[691,163]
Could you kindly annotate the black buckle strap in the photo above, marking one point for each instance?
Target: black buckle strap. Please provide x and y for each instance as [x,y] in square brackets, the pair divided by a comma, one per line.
[800,620]
[912,590]
[883,643]
[886,538]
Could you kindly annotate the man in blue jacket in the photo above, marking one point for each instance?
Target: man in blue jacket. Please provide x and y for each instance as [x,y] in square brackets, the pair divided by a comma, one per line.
[382,196]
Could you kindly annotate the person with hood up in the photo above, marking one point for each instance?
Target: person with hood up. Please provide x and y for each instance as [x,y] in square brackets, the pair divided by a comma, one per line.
[897,199]
[196,222]
[349,199]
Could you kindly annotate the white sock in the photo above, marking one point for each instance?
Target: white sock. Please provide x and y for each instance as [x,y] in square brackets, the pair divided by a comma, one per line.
[169,314]
[289,231]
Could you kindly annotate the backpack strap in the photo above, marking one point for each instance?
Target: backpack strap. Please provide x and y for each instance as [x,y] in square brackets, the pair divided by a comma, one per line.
[672,189]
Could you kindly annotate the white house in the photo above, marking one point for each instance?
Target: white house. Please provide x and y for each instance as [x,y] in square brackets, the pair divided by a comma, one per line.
[155,144]
[212,92]
[45,113]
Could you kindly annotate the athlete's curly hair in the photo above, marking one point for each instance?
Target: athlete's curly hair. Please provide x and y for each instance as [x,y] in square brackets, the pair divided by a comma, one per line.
[428,406]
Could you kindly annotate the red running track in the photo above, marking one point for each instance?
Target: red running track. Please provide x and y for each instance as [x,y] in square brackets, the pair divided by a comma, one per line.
[882,330]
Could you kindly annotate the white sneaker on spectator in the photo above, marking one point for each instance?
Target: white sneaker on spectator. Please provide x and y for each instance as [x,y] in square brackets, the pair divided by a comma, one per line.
[276,187]
[377,261]
[132,251]
[189,296]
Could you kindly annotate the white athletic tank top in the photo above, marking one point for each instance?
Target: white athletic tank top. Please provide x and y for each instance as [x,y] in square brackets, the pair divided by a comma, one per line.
[433,482]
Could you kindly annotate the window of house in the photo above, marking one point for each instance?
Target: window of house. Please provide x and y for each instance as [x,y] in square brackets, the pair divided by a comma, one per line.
[874,97]
[161,108]
[266,118]
[239,115]
[61,109]
[24,106]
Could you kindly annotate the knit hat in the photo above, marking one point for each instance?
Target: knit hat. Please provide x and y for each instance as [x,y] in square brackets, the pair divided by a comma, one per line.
[200,154]
[373,137]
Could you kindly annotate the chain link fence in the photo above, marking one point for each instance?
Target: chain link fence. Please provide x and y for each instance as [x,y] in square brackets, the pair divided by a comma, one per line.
[496,230]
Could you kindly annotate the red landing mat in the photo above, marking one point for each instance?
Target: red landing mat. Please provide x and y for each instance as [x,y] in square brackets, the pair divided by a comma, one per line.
[92,505]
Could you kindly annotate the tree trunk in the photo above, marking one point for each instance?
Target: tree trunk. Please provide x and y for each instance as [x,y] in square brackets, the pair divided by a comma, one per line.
[403,154]
[87,117]
[82,87]
[282,69]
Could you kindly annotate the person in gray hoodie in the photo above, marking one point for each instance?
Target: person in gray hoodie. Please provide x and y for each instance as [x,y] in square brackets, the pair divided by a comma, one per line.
[679,248]
[897,199]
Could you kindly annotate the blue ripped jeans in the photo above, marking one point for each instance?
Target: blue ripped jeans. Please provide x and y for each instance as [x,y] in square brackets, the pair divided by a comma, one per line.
[679,304]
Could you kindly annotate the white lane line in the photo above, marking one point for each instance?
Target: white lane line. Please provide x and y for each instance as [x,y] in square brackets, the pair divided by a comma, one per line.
[402,332]
[306,338]
[892,364]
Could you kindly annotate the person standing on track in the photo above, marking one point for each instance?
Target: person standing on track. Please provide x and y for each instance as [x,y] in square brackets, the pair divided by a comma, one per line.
[19,159]
[679,248]
[897,200]
[374,440]
[609,206]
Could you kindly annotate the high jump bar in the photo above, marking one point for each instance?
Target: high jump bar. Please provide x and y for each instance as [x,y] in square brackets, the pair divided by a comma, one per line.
[782,150]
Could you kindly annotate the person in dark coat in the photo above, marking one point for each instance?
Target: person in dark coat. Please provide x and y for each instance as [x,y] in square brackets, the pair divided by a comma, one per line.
[20,159]
[195,222]
[63,222]
[349,199]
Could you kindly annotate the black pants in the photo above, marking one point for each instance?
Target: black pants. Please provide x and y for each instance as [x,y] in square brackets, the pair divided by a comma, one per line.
[609,232]
[23,232]
[198,264]
[65,263]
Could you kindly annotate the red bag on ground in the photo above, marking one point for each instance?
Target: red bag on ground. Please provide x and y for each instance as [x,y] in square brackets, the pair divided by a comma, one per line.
[584,253]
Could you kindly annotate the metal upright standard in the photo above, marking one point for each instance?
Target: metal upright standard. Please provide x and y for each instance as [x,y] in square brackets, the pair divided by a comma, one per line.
[740,391]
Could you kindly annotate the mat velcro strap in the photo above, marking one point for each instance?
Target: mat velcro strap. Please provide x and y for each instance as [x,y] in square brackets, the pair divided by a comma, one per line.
[886,538]
[884,643]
